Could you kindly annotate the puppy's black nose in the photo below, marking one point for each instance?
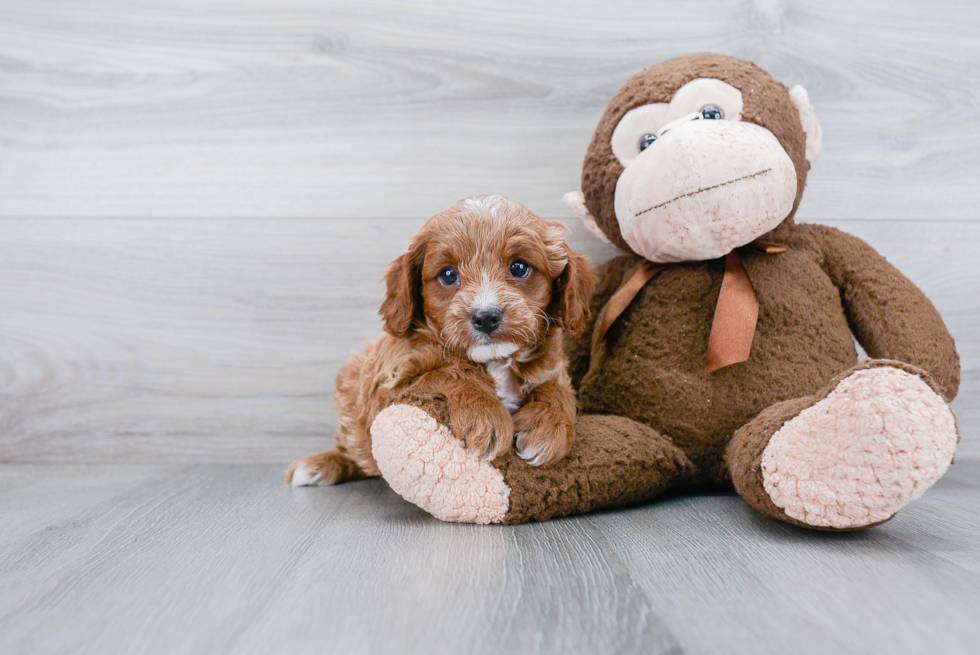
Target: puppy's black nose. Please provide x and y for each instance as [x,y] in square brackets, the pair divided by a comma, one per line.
[487,320]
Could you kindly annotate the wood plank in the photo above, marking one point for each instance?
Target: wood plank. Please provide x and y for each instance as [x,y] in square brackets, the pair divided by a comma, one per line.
[725,579]
[337,109]
[224,558]
[227,559]
[218,340]
[59,495]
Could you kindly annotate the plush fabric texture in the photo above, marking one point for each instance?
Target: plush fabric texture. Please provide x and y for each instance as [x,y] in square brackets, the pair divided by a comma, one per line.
[425,464]
[651,365]
[875,443]
[875,438]
[765,102]
[650,419]
[575,202]
[614,461]
[657,117]
[731,200]
[808,119]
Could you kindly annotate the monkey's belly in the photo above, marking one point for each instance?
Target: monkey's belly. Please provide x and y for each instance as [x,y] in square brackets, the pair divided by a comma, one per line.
[654,370]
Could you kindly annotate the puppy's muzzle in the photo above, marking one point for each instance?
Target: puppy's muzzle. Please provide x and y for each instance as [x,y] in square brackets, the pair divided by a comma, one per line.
[487,320]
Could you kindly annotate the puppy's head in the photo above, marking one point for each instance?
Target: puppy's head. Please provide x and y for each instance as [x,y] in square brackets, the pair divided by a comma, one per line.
[488,279]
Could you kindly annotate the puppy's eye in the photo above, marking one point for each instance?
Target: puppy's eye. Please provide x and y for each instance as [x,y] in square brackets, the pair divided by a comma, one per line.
[646,141]
[712,113]
[519,268]
[448,276]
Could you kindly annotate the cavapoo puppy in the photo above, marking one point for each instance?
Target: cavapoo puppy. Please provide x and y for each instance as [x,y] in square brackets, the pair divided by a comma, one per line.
[474,312]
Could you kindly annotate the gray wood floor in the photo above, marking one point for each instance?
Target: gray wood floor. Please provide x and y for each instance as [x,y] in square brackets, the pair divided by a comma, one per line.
[197,200]
[210,558]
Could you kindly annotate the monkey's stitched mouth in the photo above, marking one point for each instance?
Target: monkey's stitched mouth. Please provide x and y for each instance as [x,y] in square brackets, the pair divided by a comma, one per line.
[707,188]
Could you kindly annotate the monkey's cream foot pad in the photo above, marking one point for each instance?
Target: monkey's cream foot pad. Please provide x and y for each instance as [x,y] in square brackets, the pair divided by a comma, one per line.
[429,467]
[874,444]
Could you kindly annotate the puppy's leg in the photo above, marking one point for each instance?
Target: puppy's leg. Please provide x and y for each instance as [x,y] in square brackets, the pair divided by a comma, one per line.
[545,423]
[323,469]
[476,414]
[352,459]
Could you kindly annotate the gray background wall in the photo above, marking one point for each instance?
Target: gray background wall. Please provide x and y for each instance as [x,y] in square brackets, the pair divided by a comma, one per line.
[197,199]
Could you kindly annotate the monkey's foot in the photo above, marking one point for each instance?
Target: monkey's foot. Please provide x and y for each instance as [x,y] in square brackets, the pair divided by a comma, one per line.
[427,466]
[877,441]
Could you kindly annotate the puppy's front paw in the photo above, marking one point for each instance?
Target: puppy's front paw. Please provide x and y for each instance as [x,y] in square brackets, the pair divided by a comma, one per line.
[544,435]
[485,427]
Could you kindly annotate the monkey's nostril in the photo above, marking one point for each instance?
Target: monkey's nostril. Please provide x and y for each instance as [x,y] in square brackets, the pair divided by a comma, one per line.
[487,320]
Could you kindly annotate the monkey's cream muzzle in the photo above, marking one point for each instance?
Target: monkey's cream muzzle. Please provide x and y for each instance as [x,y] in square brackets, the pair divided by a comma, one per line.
[704,188]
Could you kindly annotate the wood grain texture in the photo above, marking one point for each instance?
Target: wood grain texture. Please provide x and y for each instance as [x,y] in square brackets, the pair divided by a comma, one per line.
[742,582]
[218,340]
[225,559]
[168,307]
[341,109]
[145,558]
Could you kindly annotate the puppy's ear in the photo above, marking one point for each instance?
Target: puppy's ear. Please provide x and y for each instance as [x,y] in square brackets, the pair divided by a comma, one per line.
[573,291]
[403,299]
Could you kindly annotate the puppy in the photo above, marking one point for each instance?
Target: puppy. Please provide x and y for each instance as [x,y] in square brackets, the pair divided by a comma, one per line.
[474,312]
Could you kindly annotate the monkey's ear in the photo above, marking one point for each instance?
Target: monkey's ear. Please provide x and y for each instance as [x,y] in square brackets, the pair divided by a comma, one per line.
[401,299]
[575,201]
[808,118]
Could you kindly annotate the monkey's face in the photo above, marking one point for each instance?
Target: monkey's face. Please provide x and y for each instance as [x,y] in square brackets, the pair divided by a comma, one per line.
[695,180]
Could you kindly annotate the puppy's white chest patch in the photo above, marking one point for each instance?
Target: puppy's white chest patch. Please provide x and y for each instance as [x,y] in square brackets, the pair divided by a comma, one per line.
[507,383]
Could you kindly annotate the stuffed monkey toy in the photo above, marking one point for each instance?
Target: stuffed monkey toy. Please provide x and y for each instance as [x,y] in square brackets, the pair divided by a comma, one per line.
[721,349]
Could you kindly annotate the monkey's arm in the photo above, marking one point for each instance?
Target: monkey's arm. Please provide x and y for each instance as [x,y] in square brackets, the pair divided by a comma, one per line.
[579,351]
[889,315]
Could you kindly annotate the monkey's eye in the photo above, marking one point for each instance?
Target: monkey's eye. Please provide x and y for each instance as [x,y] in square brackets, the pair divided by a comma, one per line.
[519,268]
[646,141]
[712,113]
[448,276]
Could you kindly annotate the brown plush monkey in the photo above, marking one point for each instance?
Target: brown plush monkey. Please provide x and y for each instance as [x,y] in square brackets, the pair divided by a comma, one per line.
[722,349]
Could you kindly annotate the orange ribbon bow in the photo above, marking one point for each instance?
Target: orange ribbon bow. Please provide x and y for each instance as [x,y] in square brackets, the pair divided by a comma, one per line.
[736,312]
